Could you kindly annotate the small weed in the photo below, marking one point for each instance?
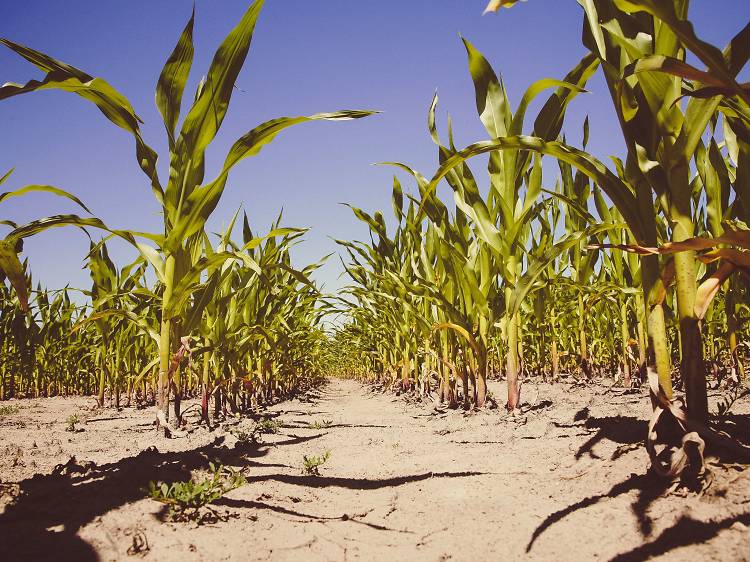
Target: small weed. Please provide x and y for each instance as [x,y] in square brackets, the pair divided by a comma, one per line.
[71,422]
[243,435]
[311,464]
[185,499]
[727,401]
[268,425]
[8,410]
[321,424]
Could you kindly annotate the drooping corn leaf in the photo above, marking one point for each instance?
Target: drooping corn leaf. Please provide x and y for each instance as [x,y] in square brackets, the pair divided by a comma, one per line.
[111,103]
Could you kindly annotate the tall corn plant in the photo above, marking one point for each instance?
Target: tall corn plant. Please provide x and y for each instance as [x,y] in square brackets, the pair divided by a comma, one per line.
[641,45]
[187,201]
[462,270]
[254,320]
[502,221]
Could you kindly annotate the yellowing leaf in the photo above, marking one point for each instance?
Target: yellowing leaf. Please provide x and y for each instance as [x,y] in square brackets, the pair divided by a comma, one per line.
[495,5]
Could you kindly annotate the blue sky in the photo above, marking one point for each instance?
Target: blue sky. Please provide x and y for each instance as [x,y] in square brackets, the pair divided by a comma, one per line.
[306,57]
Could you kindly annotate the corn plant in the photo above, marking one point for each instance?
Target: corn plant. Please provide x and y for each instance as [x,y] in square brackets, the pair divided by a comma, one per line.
[187,201]
[459,273]
[645,79]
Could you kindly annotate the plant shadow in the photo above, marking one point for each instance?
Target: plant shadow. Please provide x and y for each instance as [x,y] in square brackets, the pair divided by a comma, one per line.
[44,521]
[51,509]
[648,487]
[687,531]
[625,430]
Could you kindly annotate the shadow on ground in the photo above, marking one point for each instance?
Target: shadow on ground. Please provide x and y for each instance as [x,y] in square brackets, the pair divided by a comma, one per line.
[44,521]
[630,431]
[624,430]
[685,532]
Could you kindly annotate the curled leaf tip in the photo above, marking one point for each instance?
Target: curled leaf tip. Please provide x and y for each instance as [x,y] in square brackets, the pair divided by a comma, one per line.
[495,5]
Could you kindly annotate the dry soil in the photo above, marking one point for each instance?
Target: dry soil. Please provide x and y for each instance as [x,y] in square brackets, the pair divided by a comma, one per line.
[567,480]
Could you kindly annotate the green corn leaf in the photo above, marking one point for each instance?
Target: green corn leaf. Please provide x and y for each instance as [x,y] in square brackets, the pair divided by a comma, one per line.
[683,29]
[617,190]
[44,189]
[173,78]
[516,127]
[492,101]
[673,66]
[699,111]
[397,199]
[252,143]
[540,264]
[549,121]
[140,322]
[110,102]
[35,227]
[203,200]
[202,298]
[5,176]
[205,117]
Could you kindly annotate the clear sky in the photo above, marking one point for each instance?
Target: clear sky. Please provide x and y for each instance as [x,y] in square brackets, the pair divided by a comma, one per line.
[306,57]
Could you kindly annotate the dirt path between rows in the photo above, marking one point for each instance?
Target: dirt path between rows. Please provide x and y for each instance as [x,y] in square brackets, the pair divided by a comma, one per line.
[566,481]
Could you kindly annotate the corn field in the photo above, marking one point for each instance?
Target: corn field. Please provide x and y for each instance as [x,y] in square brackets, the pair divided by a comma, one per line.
[598,271]
[249,313]
[519,260]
